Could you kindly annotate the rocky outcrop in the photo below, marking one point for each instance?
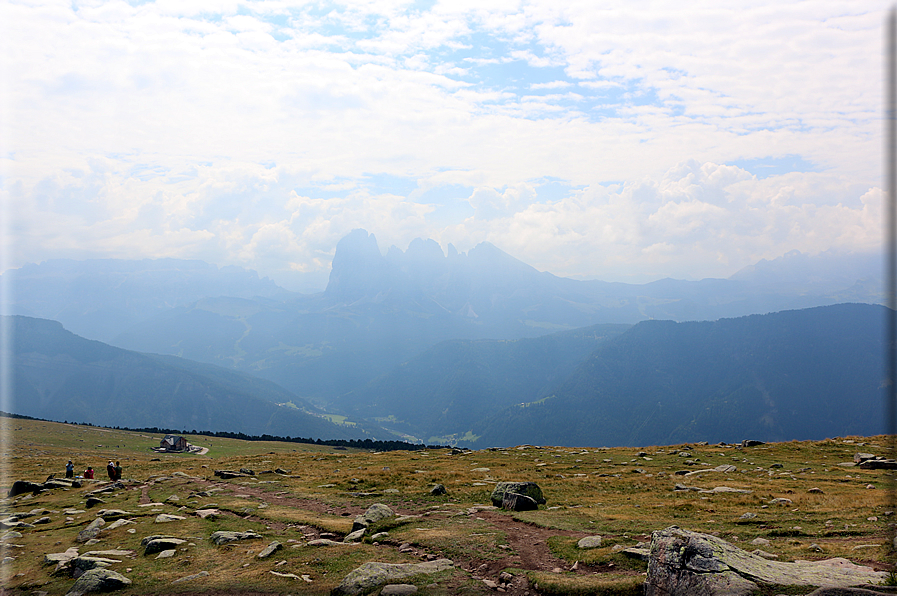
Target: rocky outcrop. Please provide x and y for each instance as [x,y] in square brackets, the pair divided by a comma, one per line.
[689,563]
[529,489]
[370,576]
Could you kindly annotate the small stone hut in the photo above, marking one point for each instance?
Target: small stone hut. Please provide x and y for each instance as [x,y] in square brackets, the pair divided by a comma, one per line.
[174,443]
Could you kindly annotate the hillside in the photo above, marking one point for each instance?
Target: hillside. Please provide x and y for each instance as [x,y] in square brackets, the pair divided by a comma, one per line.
[802,374]
[61,376]
[439,395]
[807,500]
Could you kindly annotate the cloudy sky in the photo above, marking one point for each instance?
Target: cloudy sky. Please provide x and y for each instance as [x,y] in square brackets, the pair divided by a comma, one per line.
[613,140]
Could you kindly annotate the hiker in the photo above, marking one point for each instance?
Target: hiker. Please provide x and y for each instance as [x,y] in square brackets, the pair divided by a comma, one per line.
[70,470]
[110,469]
[117,471]
[88,473]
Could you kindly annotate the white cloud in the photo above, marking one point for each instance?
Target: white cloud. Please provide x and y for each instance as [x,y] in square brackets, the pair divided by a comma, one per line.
[246,133]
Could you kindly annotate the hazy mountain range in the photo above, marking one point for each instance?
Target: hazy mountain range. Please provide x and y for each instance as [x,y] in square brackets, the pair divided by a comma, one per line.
[443,347]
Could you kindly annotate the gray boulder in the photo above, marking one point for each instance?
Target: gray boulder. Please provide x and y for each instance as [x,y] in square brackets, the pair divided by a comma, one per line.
[689,563]
[372,575]
[529,489]
[91,531]
[438,490]
[222,537]
[517,502]
[270,550]
[98,580]
[158,545]
[82,564]
[374,513]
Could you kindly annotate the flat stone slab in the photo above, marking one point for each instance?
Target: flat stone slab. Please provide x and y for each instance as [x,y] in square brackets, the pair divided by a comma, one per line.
[270,550]
[684,563]
[589,542]
[328,542]
[223,537]
[163,518]
[372,575]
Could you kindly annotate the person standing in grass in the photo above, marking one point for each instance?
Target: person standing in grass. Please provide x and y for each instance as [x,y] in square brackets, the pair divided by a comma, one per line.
[70,470]
[117,470]
[88,473]
[110,469]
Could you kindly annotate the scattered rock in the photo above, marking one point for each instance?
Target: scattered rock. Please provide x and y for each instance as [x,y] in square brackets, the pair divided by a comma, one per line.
[282,472]
[751,443]
[760,542]
[64,558]
[164,518]
[191,577]
[374,513]
[438,490]
[270,550]
[223,537]
[162,543]
[371,575]
[112,514]
[355,536]
[91,531]
[781,501]
[207,513]
[94,501]
[589,542]
[328,542]
[517,502]
[684,562]
[166,554]
[228,474]
[815,490]
[98,580]
[859,458]
[529,489]
[398,590]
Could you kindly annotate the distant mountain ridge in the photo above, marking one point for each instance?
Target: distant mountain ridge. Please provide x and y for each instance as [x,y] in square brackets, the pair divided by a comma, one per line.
[61,376]
[811,373]
[380,310]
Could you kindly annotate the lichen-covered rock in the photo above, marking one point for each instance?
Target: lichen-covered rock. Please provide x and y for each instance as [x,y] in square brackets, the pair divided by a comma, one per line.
[589,542]
[98,580]
[689,563]
[223,537]
[374,513]
[372,575]
[91,531]
[530,489]
[270,550]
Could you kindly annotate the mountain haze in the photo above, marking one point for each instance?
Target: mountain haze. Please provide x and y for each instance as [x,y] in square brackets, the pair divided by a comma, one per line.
[802,374]
[61,376]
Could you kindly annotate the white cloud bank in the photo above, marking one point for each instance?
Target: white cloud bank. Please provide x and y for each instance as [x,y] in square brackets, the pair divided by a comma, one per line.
[583,139]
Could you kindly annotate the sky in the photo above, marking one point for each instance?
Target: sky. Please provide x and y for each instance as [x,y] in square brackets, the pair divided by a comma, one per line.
[613,140]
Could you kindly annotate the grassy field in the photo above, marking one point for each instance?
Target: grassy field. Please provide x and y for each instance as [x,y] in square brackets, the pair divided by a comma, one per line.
[620,494]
